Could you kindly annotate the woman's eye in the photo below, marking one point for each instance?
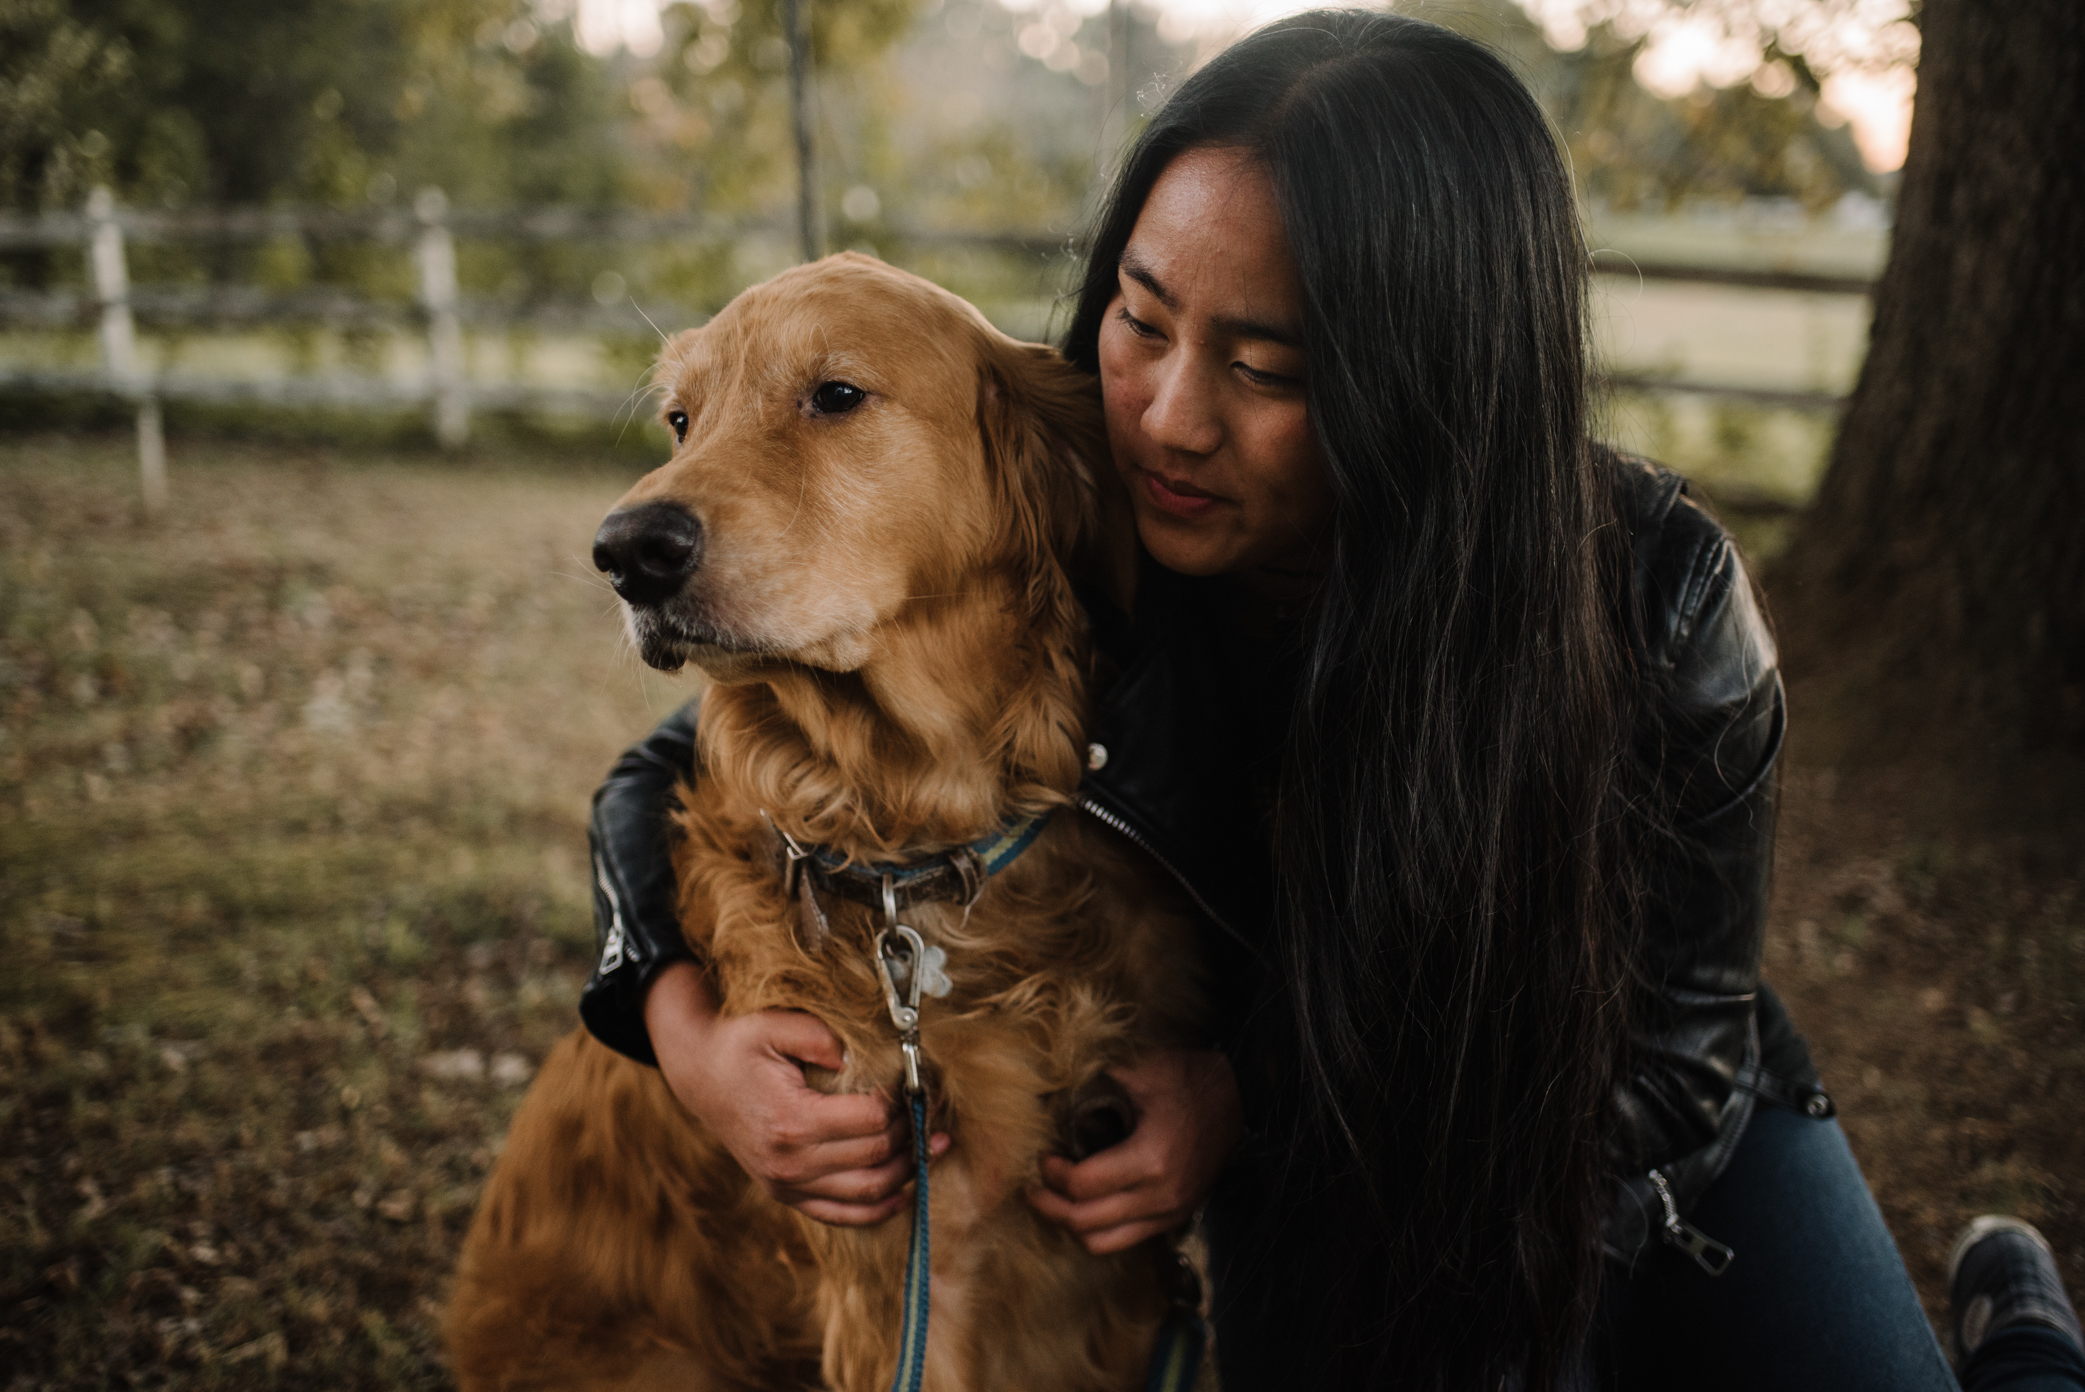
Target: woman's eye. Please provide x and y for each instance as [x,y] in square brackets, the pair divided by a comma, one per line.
[837,398]
[679,421]
[1135,325]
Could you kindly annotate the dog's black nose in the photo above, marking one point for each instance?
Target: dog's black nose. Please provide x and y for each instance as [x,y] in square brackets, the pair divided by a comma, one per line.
[649,551]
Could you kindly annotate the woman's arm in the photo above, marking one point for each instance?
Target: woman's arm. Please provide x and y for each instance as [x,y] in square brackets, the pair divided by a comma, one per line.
[637,929]
[840,1159]
[1716,725]
[1188,1120]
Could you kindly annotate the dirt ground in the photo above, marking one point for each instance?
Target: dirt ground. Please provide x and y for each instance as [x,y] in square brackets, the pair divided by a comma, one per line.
[1938,972]
[292,795]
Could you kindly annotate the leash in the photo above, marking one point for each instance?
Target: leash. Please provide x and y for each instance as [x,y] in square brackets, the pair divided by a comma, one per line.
[912,1333]
[900,952]
[1177,1356]
[904,1015]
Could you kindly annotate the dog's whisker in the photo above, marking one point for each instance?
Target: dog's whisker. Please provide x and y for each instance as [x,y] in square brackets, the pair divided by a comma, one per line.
[803,484]
[586,565]
[648,319]
[590,581]
[629,405]
[647,382]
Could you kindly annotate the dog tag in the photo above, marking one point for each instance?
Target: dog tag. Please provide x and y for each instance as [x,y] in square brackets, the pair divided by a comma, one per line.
[933,973]
[811,925]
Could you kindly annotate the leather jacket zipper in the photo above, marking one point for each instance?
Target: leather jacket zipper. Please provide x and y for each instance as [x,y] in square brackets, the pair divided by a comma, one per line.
[1124,829]
[1710,1255]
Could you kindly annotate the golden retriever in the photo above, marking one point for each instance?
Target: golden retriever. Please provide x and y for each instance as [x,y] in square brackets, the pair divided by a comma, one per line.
[879,583]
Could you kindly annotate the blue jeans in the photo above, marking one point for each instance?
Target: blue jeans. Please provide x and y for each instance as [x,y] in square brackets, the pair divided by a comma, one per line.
[1817,1296]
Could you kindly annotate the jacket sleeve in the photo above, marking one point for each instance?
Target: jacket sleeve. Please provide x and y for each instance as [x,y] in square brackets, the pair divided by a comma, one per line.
[636,918]
[1713,728]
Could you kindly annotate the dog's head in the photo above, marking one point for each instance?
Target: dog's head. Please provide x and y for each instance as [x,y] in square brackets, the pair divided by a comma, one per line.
[850,440]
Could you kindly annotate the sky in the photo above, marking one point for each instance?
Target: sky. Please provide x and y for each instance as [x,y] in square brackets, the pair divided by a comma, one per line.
[1864,51]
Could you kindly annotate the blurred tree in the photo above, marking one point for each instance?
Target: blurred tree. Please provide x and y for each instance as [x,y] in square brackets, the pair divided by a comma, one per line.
[1631,148]
[1758,136]
[721,89]
[1937,584]
[54,73]
[258,101]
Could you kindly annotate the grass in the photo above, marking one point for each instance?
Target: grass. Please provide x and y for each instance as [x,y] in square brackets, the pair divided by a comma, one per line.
[292,795]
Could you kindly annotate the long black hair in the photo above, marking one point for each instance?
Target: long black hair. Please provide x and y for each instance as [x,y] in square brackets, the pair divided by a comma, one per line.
[1454,818]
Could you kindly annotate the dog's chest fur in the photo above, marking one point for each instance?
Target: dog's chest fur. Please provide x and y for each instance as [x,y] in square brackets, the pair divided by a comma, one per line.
[1079,956]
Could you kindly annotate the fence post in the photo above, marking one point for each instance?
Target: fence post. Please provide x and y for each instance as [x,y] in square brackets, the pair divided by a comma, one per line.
[1119,92]
[436,255]
[796,27]
[119,342]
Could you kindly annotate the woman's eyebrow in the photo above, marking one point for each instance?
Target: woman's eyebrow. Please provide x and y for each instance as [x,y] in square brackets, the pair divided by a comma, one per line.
[1253,328]
[1141,274]
[1229,324]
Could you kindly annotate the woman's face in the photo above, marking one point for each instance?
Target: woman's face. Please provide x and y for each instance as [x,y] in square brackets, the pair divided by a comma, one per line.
[1201,366]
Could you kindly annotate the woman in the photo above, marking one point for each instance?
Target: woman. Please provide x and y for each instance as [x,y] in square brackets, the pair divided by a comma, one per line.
[1462,729]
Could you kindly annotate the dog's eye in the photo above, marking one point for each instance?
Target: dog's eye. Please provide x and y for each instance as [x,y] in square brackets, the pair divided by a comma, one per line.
[837,398]
[679,421]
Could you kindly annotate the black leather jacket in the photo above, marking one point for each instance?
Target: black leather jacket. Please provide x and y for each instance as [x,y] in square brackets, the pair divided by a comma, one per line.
[1181,778]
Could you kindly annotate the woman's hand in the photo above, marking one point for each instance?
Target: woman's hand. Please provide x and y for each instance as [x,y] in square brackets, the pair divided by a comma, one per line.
[1188,1118]
[839,1158]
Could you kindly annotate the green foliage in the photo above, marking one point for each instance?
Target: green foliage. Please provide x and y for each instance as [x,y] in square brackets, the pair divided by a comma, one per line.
[1631,149]
[359,101]
[256,101]
[55,71]
[253,101]
[928,105]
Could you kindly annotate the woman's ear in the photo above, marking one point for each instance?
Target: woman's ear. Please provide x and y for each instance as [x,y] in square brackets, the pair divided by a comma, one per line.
[1045,444]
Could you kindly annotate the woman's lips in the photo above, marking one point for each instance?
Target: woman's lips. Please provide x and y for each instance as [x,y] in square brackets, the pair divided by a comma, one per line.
[1177,497]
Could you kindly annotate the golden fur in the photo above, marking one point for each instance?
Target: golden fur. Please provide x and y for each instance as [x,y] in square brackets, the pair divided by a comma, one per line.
[885,609]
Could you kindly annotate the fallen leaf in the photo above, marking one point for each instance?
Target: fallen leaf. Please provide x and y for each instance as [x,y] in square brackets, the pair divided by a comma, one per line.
[372,1014]
[454,1063]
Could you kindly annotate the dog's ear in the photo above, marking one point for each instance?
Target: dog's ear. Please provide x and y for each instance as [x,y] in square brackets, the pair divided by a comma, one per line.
[1046,446]
[1067,530]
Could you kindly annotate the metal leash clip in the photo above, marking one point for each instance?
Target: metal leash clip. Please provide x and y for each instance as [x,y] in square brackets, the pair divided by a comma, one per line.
[904,1010]
[812,930]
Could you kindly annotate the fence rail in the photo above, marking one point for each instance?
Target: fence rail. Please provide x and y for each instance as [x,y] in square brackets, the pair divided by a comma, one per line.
[245,306]
[440,311]
[554,224]
[1805,282]
[340,390]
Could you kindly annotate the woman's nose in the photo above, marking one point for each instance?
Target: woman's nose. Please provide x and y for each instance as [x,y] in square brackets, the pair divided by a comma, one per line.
[1182,414]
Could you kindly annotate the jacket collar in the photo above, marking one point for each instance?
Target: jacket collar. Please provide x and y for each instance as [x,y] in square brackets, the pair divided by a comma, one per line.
[1178,749]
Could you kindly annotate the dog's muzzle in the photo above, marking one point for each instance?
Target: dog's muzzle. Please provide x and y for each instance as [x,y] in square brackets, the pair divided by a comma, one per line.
[649,551]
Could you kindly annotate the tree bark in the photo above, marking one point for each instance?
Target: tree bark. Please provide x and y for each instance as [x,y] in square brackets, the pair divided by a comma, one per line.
[1935,592]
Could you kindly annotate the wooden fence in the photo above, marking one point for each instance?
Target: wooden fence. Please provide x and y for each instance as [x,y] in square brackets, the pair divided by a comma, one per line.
[103,231]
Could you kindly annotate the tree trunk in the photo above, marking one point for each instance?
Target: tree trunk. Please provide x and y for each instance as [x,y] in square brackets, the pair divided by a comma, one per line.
[1934,597]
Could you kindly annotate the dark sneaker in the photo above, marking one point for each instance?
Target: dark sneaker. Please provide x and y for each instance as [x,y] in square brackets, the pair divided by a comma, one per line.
[2002,1274]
